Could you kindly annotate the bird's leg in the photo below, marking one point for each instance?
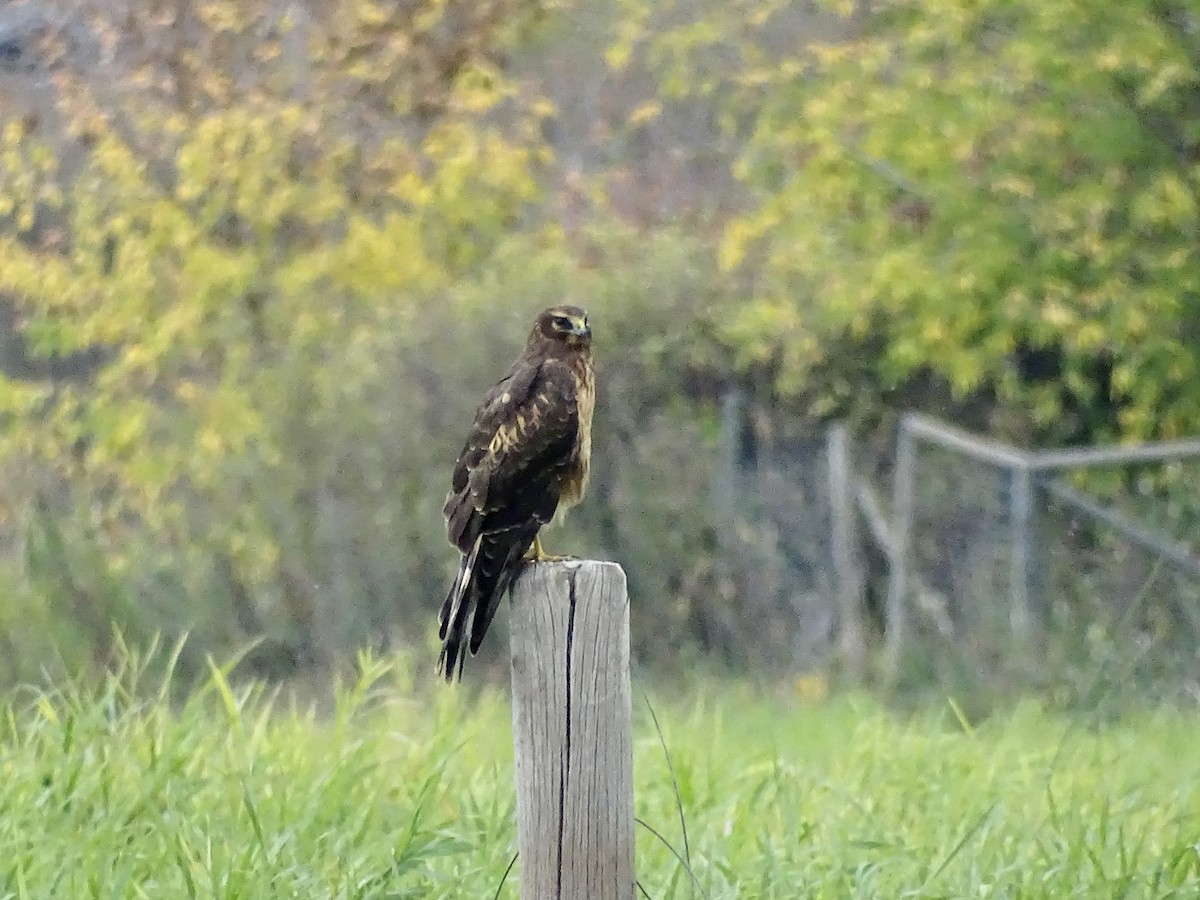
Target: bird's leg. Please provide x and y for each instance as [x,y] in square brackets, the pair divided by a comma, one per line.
[537,553]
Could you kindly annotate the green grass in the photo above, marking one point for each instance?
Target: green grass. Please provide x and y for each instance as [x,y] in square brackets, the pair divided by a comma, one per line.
[396,792]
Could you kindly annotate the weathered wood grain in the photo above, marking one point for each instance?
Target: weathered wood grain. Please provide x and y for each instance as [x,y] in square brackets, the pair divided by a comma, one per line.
[572,732]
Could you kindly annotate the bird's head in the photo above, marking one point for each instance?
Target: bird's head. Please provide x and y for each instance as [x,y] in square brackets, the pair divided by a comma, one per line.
[564,324]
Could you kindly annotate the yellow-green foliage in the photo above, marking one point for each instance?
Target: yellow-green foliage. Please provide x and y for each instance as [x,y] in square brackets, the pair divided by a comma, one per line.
[247,262]
[251,262]
[294,253]
[960,182]
[999,195]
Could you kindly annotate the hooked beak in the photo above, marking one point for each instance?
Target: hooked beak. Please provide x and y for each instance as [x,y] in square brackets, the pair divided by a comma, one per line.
[581,329]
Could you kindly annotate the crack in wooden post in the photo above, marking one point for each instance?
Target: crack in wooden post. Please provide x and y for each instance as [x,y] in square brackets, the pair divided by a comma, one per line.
[566,757]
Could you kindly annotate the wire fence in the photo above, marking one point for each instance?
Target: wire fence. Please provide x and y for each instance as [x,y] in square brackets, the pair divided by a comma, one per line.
[773,514]
[979,559]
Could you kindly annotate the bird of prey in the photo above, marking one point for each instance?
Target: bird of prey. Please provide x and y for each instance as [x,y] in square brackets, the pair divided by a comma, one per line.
[525,463]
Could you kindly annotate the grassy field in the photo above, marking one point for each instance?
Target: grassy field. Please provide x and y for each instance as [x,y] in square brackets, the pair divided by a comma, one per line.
[400,793]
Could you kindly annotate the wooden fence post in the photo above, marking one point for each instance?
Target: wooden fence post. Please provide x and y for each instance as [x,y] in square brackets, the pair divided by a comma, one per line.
[1021,518]
[852,632]
[572,732]
[903,513]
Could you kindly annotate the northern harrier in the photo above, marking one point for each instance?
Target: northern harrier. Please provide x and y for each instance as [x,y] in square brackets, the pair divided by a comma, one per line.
[525,463]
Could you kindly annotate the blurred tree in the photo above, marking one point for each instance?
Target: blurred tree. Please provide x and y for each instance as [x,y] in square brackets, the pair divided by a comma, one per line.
[1001,196]
[234,212]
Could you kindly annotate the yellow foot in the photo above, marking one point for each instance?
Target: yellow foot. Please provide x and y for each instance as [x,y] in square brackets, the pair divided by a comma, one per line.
[537,553]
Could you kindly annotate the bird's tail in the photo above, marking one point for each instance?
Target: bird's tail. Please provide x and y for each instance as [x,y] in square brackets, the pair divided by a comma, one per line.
[483,577]
[456,612]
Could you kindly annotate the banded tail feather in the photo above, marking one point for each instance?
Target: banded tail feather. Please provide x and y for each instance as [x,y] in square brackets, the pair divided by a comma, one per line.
[484,576]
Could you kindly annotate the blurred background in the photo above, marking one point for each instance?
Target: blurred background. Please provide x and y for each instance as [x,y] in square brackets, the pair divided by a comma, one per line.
[260,259]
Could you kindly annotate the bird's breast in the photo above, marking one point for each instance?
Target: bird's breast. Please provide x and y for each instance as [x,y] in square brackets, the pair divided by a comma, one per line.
[576,482]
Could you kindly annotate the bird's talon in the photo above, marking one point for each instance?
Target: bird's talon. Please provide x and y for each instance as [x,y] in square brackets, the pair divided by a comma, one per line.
[537,553]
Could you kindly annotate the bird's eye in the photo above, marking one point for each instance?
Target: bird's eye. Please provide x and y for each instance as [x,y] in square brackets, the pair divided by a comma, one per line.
[562,323]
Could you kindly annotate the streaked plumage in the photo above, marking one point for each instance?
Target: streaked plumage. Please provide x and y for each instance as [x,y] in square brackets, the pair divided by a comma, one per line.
[525,463]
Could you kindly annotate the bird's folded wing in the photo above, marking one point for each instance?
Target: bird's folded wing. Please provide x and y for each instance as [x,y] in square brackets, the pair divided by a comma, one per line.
[522,438]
